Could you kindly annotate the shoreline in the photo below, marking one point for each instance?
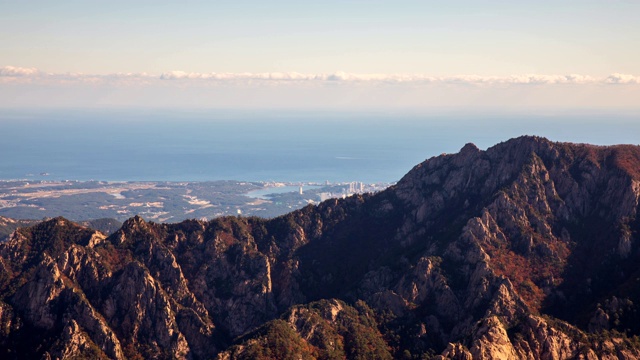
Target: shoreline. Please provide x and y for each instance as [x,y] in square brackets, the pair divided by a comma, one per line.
[165,201]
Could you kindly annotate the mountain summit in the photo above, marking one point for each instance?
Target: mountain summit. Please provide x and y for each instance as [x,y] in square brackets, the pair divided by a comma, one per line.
[526,250]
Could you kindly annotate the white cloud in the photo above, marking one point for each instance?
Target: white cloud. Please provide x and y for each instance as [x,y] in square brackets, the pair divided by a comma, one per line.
[13,71]
[552,79]
[275,76]
[344,77]
[16,74]
[622,79]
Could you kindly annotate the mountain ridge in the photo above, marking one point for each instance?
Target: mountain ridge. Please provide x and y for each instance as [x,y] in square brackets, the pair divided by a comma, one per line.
[479,254]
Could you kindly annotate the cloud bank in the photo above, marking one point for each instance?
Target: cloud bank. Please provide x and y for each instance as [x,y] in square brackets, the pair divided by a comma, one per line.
[12,71]
[31,87]
[12,74]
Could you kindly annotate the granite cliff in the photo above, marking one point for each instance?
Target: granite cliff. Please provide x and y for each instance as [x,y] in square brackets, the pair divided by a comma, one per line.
[528,250]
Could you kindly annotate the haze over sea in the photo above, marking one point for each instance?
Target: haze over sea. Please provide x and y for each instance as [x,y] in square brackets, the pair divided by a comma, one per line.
[139,145]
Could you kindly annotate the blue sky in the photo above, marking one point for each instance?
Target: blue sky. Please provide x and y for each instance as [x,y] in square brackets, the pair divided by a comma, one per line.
[337,54]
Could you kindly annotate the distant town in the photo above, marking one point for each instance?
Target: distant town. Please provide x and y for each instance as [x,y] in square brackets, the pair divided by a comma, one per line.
[166,201]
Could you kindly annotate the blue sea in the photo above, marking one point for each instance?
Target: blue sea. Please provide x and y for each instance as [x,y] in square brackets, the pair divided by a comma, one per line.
[313,146]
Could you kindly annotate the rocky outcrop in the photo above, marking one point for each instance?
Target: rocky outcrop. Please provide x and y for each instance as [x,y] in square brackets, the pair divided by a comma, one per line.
[528,250]
[327,329]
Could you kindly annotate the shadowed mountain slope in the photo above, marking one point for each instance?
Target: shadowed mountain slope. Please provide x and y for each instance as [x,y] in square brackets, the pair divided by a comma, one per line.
[526,250]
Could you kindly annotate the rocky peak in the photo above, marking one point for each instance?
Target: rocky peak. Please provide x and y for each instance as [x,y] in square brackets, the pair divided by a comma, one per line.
[53,236]
[134,225]
[135,230]
[469,148]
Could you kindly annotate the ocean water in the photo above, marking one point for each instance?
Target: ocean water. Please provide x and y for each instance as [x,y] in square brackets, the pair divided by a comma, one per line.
[139,145]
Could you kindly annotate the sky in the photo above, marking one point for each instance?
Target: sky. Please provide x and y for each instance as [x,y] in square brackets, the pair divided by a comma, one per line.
[339,55]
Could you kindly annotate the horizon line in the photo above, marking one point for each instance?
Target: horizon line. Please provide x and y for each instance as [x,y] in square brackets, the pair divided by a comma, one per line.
[16,74]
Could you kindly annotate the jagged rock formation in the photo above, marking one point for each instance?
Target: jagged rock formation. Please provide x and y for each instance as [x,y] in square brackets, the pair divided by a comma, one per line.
[526,250]
[8,225]
[326,329]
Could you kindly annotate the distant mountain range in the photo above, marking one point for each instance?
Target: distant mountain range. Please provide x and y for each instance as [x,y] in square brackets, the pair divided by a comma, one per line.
[528,250]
